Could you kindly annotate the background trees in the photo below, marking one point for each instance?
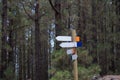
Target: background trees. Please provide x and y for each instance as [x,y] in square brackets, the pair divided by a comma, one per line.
[28,30]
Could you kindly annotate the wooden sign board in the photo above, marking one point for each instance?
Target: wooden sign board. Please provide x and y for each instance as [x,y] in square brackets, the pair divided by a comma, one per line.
[70,44]
[64,38]
[67,38]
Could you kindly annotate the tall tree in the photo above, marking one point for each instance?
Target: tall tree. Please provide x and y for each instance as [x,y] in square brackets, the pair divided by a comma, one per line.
[117,31]
[39,55]
[11,34]
[4,39]
[58,26]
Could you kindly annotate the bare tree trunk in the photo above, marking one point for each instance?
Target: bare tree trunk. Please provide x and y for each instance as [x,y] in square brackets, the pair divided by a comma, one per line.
[21,56]
[11,44]
[93,41]
[38,55]
[79,18]
[117,30]
[32,56]
[58,26]
[58,17]
[4,39]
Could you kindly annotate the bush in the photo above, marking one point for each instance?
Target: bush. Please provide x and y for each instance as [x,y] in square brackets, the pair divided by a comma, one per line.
[86,69]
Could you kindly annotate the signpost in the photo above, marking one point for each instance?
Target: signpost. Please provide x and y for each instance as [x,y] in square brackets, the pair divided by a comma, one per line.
[75,66]
[72,42]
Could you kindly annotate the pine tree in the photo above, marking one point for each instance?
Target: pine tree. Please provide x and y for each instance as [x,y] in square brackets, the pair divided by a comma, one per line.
[4,39]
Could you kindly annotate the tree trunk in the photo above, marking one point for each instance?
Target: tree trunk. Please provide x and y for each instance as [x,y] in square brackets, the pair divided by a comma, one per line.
[11,52]
[58,26]
[39,74]
[93,42]
[4,39]
[22,56]
[117,30]
[79,19]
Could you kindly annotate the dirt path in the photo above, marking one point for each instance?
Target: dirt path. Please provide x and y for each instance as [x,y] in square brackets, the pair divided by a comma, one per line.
[108,77]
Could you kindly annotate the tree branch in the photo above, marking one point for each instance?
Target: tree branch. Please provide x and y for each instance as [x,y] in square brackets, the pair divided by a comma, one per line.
[53,7]
[27,13]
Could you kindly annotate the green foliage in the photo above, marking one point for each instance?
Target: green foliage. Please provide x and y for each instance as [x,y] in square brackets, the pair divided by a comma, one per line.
[61,58]
[62,75]
[87,73]
[86,69]
[84,57]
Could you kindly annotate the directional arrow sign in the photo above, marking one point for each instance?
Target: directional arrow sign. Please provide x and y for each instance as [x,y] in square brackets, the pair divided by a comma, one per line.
[67,38]
[64,38]
[74,57]
[68,44]
[71,44]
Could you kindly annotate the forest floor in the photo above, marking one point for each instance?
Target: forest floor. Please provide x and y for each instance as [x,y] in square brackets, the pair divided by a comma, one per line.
[107,77]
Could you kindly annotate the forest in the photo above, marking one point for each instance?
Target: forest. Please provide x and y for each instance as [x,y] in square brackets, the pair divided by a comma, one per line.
[29,49]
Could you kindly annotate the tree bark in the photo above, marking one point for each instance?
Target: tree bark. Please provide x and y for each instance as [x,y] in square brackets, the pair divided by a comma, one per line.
[4,39]
[38,55]
[58,26]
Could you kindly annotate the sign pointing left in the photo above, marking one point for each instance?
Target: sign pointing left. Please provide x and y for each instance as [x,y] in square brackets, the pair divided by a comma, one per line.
[70,44]
[64,38]
[67,38]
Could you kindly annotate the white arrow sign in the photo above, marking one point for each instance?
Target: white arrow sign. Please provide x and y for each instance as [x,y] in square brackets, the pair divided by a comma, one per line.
[68,44]
[70,51]
[64,38]
[74,57]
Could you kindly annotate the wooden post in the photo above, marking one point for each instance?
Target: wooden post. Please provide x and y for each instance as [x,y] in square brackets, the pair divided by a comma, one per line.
[75,66]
